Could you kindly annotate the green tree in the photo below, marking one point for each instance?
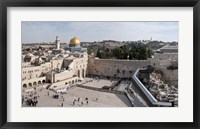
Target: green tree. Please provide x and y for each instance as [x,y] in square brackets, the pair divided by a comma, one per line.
[142,53]
[149,52]
[40,47]
[99,53]
[27,49]
[89,51]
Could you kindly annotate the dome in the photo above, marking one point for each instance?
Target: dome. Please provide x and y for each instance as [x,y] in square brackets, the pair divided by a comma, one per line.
[74,41]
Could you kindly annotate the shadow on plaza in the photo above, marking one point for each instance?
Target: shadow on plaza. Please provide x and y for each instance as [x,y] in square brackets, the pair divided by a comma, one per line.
[124,99]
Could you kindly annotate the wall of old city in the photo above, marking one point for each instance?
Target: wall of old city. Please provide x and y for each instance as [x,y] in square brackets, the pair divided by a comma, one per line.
[115,68]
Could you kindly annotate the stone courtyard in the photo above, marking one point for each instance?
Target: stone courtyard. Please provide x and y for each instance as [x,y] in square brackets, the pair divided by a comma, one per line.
[80,97]
[99,83]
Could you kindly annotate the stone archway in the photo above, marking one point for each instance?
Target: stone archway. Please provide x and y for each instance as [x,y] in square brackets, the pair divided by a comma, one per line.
[66,83]
[24,85]
[83,73]
[73,82]
[39,82]
[43,81]
[34,83]
[29,84]
[79,73]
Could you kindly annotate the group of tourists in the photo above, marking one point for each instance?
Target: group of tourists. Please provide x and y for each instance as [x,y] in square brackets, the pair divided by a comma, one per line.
[56,96]
[32,102]
[80,102]
[31,99]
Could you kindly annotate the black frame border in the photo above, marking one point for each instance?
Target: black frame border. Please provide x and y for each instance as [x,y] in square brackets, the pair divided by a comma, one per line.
[99,3]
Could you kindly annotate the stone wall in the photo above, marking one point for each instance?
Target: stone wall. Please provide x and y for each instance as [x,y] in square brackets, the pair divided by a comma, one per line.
[80,66]
[63,75]
[33,82]
[52,77]
[32,72]
[171,76]
[164,60]
[56,63]
[72,81]
[115,68]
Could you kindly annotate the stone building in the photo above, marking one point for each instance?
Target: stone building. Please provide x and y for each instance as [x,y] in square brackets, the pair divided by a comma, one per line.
[63,67]
[34,75]
[72,64]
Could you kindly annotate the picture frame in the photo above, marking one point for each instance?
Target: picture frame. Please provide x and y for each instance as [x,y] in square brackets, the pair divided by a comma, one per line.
[99,3]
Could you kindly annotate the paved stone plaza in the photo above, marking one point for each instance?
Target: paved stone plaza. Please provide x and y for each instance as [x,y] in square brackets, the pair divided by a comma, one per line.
[99,83]
[80,97]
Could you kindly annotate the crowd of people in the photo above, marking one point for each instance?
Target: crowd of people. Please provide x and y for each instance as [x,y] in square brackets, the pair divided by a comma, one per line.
[31,99]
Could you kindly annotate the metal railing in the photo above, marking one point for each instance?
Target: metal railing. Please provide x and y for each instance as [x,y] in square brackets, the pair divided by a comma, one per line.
[144,90]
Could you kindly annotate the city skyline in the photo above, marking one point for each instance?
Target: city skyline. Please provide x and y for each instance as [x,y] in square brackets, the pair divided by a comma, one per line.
[45,31]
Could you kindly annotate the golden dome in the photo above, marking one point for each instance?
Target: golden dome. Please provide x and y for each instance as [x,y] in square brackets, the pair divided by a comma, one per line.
[75,41]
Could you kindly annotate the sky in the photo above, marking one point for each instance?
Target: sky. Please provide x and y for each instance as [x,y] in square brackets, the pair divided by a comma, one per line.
[46,31]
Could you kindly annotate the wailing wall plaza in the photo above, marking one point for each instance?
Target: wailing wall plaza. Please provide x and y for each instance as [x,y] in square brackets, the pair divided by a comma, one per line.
[72,66]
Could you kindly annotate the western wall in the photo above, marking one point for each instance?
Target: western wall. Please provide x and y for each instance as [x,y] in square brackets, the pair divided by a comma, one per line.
[114,67]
